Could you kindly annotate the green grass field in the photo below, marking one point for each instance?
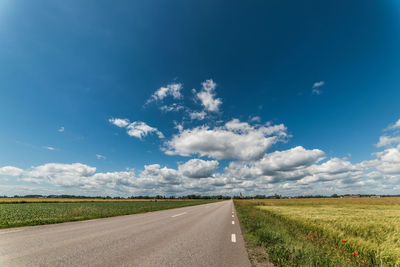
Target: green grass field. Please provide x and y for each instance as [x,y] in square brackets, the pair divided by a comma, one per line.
[36,212]
[67,200]
[324,232]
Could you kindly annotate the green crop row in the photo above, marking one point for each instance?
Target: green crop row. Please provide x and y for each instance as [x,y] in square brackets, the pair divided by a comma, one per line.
[12,215]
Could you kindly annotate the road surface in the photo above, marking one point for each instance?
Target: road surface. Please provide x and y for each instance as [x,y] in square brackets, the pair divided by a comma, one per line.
[203,235]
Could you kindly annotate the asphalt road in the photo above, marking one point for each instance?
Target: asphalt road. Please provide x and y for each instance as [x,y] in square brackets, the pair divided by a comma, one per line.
[204,235]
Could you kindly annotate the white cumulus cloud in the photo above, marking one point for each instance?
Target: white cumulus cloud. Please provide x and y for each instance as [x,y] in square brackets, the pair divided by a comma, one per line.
[207,96]
[173,89]
[172,107]
[10,171]
[198,168]
[59,174]
[140,129]
[396,125]
[288,160]
[389,160]
[154,176]
[197,115]
[234,140]
[385,140]
[291,164]
[137,129]
[252,170]
[119,122]
[316,86]
[392,136]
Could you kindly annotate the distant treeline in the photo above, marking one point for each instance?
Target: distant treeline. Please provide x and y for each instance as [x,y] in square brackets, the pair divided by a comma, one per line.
[131,197]
[276,196]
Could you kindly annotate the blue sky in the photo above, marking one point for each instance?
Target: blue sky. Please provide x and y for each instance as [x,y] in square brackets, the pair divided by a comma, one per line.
[326,72]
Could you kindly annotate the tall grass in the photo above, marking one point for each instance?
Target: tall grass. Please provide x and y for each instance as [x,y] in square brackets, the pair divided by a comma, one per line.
[324,232]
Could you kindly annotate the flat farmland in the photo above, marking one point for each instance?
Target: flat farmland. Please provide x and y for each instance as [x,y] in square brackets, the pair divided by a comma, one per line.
[323,232]
[46,211]
[67,200]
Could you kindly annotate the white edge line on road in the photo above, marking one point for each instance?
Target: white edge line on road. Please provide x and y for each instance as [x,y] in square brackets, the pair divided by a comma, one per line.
[176,215]
[233,238]
[10,231]
[233,222]
[233,216]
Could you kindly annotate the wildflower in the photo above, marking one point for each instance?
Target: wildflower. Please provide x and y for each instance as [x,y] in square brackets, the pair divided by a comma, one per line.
[344,241]
[315,235]
[312,239]
[340,252]
[352,253]
[336,246]
[356,253]
[363,261]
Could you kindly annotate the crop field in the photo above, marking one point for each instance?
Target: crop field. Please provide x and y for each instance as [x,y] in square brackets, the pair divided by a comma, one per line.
[323,232]
[66,200]
[35,213]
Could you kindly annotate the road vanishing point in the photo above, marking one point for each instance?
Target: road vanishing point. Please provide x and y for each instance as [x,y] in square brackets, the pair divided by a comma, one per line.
[202,235]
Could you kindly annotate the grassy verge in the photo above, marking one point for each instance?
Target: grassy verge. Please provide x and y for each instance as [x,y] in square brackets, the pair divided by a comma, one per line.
[296,233]
[21,214]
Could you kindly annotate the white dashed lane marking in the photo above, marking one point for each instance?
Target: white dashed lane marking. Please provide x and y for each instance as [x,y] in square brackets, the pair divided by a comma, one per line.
[176,215]
[233,238]
[233,222]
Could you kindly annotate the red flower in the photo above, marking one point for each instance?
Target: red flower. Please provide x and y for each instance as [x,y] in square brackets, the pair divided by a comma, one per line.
[343,241]
[315,235]
[356,253]
[341,251]
[352,253]
[312,239]
[363,261]
[336,246]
